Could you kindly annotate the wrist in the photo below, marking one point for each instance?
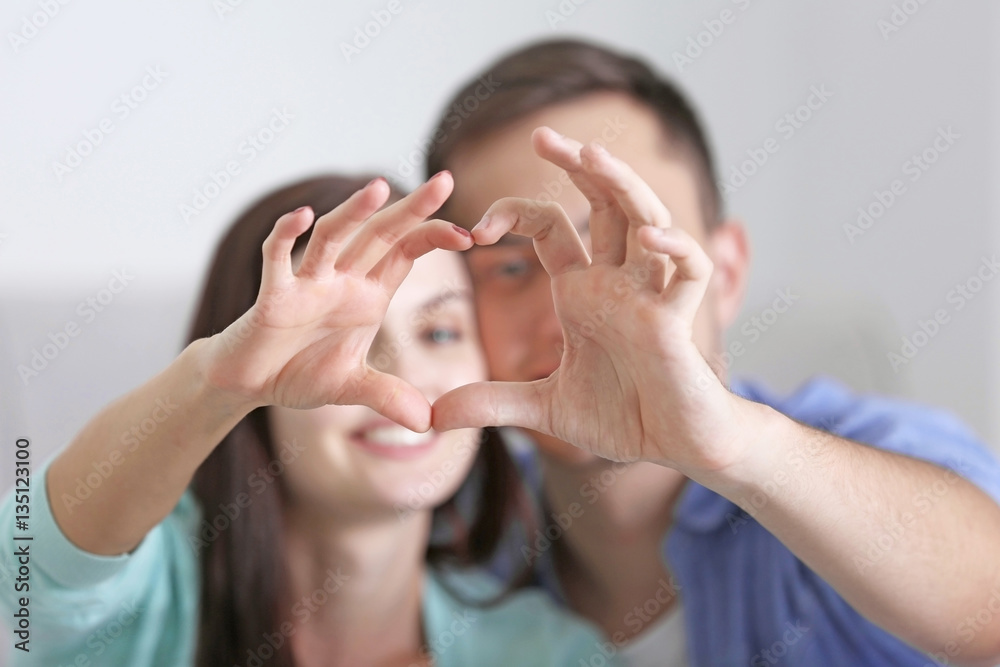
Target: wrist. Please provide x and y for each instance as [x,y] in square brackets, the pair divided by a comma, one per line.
[763,453]
[208,383]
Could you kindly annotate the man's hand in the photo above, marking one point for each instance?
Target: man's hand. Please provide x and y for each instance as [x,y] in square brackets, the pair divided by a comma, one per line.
[631,384]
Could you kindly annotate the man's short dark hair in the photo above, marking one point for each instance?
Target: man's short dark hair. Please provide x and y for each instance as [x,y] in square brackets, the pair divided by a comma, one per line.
[551,72]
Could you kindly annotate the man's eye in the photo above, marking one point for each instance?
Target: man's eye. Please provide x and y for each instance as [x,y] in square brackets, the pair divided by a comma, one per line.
[512,269]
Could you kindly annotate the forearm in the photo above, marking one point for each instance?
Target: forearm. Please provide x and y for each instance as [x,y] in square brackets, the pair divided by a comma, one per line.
[910,545]
[614,515]
[126,470]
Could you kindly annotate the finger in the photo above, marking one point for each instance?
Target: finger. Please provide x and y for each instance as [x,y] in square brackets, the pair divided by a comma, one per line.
[632,194]
[556,240]
[607,222]
[393,268]
[491,404]
[388,226]
[693,267]
[277,247]
[394,399]
[333,228]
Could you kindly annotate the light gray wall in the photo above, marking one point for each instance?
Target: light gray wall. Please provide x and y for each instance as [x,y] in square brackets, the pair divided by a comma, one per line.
[62,239]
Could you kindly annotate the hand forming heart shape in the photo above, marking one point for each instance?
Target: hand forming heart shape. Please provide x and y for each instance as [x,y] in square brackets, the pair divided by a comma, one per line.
[631,384]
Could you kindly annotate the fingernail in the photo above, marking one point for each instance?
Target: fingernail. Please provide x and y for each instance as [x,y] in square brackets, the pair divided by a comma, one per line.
[443,171]
[462,230]
[598,148]
[300,209]
[483,224]
[374,181]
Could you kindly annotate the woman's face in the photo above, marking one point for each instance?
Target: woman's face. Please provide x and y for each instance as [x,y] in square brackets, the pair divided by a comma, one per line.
[354,461]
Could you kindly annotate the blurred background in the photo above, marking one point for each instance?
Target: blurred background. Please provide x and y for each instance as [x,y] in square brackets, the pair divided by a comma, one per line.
[857,140]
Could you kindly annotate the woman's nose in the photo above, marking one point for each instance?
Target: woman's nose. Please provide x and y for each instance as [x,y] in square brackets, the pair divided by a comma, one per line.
[402,357]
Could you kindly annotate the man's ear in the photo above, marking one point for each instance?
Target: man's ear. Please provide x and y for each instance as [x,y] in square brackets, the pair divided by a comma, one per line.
[729,250]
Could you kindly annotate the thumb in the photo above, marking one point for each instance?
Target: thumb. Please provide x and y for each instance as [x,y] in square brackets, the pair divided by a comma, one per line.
[394,399]
[492,404]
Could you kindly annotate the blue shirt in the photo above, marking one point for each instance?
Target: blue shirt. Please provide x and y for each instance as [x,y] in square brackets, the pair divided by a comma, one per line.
[141,609]
[746,594]
[747,599]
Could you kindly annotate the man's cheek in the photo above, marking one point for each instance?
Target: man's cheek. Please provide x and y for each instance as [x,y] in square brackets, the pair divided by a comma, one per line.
[500,345]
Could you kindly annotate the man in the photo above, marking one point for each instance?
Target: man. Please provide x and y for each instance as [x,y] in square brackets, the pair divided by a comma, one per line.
[785,537]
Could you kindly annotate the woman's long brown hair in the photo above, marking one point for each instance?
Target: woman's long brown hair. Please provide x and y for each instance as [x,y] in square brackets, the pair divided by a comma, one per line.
[244,591]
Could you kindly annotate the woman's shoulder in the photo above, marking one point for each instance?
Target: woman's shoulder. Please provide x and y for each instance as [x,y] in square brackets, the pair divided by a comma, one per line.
[523,628]
[145,600]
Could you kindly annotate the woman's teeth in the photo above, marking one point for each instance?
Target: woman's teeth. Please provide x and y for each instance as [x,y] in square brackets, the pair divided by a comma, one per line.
[396,436]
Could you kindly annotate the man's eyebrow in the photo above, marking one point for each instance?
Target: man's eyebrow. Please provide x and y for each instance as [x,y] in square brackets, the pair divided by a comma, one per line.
[582,227]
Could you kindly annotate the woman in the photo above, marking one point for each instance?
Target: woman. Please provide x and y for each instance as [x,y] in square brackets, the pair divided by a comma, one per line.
[267,516]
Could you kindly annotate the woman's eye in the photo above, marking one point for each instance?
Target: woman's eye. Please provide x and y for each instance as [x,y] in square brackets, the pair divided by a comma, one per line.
[442,335]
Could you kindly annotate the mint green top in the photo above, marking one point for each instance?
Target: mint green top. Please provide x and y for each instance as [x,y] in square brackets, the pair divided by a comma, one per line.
[141,608]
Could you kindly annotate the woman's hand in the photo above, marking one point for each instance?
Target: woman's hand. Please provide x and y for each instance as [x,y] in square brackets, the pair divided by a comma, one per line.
[305,341]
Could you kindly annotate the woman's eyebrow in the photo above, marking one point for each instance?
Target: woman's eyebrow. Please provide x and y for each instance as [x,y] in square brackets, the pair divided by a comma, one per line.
[443,298]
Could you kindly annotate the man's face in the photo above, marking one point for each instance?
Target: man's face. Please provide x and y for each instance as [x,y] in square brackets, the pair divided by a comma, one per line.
[520,332]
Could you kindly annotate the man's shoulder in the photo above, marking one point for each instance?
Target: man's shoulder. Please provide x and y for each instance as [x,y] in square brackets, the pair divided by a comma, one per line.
[828,404]
[885,422]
